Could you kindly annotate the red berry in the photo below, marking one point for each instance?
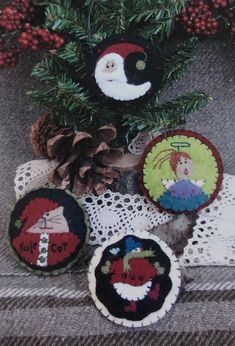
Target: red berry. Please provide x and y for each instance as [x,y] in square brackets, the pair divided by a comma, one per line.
[215,25]
[190,9]
[198,19]
[24,35]
[34,48]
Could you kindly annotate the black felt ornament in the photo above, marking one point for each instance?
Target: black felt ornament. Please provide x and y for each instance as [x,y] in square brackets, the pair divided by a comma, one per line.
[126,68]
[48,230]
[134,279]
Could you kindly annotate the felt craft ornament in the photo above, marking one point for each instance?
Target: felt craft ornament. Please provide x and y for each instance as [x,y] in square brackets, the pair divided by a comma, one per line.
[48,230]
[181,171]
[134,279]
[127,67]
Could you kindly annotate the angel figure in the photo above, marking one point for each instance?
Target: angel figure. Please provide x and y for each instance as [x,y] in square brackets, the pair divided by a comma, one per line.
[183,194]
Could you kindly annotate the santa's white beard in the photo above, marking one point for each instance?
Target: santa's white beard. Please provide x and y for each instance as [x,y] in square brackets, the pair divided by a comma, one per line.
[132,293]
[115,84]
[124,91]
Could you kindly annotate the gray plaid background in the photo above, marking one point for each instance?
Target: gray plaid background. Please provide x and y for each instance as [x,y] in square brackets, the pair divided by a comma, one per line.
[59,310]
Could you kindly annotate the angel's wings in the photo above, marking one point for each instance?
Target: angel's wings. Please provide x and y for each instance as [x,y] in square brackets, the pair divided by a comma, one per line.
[168,183]
[199,183]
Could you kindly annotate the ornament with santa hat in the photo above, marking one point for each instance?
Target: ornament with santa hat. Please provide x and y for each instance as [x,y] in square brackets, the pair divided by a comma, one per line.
[44,230]
[127,68]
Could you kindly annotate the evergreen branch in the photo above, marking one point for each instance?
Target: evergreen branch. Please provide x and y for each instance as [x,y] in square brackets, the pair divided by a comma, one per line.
[69,53]
[162,27]
[43,97]
[85,23]
[45,71]
[52,2]
[66,19]
[106,20]
[187,103]
[166,115]
[117,18]
[145,16]
[77,97]
[67,98]
[176,63]
[156,17]
[156,10]
[62,95]
[69,111]
[72,54]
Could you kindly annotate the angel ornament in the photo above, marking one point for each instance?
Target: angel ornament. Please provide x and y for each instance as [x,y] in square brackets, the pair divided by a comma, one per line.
[181,171]
[182,193]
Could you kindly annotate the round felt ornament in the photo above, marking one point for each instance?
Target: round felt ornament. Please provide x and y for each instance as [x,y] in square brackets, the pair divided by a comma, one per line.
[134,279]
[47,230]
[127,67]
[181,171]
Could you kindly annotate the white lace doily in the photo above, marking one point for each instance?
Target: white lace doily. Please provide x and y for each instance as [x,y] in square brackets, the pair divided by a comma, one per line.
[109,214]
[139,143]
[213,241]
[114,213]
[32,175]
[225,200]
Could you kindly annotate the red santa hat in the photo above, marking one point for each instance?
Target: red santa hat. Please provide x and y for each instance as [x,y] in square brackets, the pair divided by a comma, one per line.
[122,49]
[34,210]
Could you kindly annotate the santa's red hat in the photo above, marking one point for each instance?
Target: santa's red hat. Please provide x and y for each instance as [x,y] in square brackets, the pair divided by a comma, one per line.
[122,49]
[34,210]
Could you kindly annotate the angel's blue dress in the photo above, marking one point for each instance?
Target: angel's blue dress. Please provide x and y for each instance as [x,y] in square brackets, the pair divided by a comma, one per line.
[183,196]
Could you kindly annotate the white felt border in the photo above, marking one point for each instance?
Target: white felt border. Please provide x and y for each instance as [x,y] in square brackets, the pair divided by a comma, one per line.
[169,300]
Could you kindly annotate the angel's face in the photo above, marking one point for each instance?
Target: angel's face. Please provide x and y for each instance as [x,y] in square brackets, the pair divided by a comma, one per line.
[184,168]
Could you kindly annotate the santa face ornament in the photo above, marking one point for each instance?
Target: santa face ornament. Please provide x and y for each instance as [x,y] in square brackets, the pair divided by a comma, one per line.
[134,279]
[47,230]
[127,68]
[181,171]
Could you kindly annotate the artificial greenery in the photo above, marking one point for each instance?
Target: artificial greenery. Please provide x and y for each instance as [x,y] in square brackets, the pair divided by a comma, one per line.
[64,72]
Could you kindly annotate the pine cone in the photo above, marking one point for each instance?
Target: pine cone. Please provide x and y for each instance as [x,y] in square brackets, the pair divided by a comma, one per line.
[84,160]
[42,130]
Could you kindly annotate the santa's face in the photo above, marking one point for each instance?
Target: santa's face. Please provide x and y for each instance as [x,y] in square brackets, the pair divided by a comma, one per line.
[135,283]
[110,68]
[50,222]
[111,79]
[184,168]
